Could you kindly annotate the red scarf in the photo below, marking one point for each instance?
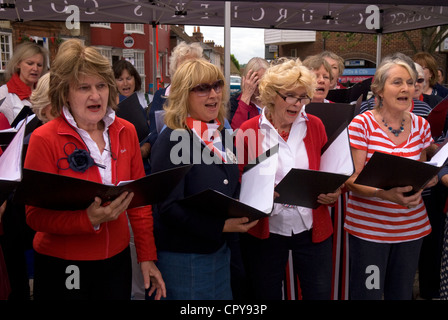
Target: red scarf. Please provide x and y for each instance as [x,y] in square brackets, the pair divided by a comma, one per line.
[209,135]
[17,86]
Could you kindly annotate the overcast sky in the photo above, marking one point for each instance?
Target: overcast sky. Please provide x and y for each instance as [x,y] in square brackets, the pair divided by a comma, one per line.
[246,43]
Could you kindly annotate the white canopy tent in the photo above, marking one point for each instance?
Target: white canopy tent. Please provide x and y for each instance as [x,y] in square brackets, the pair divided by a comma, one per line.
[360,16]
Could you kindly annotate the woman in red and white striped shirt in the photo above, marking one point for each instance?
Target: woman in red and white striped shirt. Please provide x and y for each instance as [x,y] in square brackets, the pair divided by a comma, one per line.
[386,227]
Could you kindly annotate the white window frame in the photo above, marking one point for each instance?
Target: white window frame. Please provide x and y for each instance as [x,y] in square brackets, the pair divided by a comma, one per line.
[139,64]
[130,28]
[105,51]
[101,25]
[5,56]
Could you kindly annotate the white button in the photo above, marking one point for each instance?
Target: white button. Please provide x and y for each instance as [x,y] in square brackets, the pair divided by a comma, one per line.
[226,181]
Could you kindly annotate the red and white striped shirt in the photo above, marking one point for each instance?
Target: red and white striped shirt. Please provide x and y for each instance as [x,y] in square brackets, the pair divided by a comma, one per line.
[379,220]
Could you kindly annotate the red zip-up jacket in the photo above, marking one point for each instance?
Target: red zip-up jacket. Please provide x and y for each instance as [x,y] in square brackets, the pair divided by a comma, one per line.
[69,234]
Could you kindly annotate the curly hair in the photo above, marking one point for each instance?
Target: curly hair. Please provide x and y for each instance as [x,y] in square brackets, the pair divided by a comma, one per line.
[287,75]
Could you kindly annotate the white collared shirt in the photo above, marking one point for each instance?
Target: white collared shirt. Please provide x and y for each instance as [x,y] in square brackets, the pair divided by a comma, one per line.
[103,158]
[288,220]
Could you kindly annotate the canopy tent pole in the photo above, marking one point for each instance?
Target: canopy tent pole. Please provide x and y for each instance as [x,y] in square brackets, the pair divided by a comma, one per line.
[379,39]
[154,58]
[227,41]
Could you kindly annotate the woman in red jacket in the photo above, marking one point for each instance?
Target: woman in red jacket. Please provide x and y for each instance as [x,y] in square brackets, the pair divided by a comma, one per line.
[84,254]
[284,89]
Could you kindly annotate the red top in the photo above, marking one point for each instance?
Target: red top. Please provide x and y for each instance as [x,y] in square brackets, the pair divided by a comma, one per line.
[70,234]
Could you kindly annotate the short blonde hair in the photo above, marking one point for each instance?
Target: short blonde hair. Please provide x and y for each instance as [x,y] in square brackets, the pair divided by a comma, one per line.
[24,51]
[190,74]
[73,61]
[183,52]
[40,99]
[287,75]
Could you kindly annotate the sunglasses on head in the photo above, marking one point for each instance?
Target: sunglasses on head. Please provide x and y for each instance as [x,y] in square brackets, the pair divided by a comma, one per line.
[420,80]
[204,89]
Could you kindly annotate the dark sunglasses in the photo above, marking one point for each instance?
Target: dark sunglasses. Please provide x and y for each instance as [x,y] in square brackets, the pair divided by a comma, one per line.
[420,80]
[204,89]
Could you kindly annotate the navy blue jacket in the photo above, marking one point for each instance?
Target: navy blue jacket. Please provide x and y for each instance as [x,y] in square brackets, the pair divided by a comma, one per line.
[181,229]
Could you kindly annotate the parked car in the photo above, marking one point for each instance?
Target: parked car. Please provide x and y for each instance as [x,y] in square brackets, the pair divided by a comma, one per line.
[235,84]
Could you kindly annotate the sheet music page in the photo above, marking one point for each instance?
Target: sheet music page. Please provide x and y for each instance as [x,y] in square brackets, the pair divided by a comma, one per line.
[439,158]
[257,185]
[11,159]
[337,158]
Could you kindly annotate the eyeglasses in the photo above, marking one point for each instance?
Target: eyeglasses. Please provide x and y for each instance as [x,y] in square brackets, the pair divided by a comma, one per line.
[293,100]
[203,89]
[420,80]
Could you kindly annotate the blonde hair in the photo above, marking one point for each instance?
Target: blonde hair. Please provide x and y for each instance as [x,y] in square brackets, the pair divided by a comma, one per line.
[40,99]
[190,74]
[73,61]
[183,52]
[287,75]
[24,51]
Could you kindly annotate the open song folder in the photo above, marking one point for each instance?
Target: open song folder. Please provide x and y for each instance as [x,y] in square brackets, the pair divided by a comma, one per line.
[301,187]
[57,192]
[387,171]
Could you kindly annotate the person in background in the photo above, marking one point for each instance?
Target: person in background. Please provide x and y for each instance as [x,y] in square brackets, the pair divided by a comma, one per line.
[181,53]
[420,85]
[26,66]
[429,65]
[24,69]
[193,254]
[386,227]
[324,76]
[129,81]
[245,105]
[440,76]
[40,100]
[285,89]
[96,239]
[337,67]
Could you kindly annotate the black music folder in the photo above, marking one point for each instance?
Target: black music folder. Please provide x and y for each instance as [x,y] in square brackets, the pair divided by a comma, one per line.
[57,192]
[437,117]
[348,95]
[11,163]
[131,110]
[301,187]
[218,203]
[333,115]
[387,171]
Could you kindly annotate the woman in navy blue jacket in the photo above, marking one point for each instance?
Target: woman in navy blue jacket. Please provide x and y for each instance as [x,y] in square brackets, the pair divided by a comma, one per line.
[193,254]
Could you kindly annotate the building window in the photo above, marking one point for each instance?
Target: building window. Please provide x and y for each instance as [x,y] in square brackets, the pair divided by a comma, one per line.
[294,53]
[5,49]
[134,28]
[139,64]
[107,52]
[100,25]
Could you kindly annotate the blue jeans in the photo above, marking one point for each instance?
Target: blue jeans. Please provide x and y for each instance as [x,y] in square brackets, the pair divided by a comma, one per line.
[193,276]
[382,270]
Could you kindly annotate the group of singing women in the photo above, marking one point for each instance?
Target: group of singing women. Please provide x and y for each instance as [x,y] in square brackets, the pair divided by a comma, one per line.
[188,252]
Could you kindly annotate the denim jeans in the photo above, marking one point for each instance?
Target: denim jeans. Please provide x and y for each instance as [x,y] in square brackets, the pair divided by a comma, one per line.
[193,276]
[394,264]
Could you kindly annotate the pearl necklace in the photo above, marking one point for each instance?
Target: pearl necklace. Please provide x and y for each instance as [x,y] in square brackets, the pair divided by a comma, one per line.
[395,132]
